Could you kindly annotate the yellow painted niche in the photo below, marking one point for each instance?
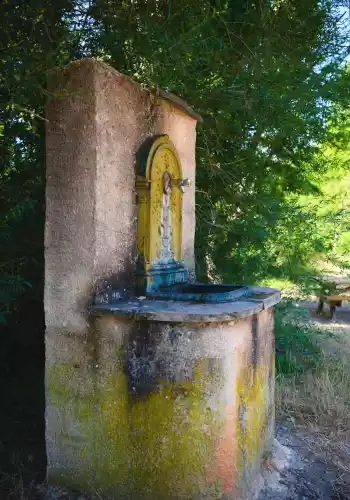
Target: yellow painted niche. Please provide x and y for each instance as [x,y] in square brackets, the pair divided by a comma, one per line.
[162,158]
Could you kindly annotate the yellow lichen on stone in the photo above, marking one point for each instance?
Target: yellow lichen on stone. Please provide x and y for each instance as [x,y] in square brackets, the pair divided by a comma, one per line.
[153,446]
[252,418]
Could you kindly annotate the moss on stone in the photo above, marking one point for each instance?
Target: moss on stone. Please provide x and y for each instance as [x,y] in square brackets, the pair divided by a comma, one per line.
[155,446]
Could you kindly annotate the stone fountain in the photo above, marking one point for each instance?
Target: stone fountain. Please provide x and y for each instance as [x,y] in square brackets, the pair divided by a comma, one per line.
[157,386]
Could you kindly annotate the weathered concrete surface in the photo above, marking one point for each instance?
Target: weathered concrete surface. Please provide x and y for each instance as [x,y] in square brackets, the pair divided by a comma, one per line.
[137,409]
[97,121]
[186,312]
[96,124]
[162,411]
[182,133]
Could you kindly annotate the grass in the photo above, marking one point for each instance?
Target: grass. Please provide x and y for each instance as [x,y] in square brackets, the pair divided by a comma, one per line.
[319,398]
[16,489]
[297,348]
[313,387]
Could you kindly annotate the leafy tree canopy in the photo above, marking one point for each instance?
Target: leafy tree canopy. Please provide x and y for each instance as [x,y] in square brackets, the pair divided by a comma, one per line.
[266,75]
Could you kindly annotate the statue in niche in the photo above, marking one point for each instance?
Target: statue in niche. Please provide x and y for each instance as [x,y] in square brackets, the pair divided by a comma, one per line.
[166,253]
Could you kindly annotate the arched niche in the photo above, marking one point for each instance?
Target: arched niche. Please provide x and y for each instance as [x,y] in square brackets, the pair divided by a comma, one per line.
[160,189]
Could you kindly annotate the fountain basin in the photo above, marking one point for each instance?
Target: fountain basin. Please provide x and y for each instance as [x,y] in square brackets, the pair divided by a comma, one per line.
[196,385]
[251,301]
[199,292]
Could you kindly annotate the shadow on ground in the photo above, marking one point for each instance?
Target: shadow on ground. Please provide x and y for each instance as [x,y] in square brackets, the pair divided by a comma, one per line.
[306,475]
[22,427]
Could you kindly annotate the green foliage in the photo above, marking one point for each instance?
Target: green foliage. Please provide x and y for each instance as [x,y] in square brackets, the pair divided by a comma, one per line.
[11,285]
[10,288]
[30,45]
[266,76]
[297,349]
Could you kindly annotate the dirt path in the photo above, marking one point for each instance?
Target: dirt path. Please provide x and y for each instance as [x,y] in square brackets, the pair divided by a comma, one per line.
[303,473]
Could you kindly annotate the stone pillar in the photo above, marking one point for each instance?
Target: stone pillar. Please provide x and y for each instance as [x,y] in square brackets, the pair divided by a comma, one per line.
[97,121]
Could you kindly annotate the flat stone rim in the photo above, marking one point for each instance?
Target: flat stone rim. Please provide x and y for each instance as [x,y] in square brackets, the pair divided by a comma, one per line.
[175,311]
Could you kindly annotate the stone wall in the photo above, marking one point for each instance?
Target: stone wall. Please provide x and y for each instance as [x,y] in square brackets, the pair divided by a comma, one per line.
[135,409]
[97,121]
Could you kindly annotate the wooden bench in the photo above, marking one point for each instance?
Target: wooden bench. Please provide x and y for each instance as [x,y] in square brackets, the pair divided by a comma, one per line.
[335,291]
